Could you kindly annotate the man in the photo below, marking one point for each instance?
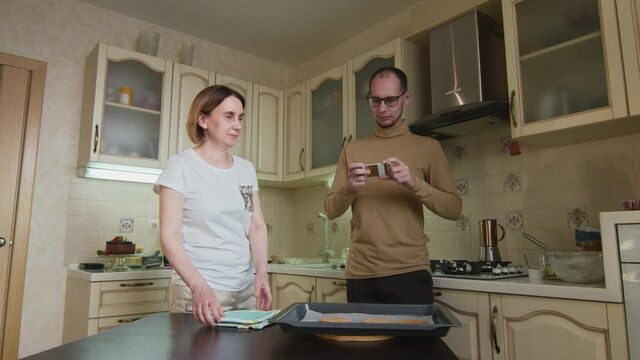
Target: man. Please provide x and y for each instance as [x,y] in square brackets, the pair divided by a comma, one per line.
[388,257]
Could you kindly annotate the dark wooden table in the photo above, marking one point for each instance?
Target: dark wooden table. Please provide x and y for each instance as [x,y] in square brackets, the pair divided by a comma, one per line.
[179,336]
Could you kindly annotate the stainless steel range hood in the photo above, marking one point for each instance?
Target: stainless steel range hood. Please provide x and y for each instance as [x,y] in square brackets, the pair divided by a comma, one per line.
[468,78]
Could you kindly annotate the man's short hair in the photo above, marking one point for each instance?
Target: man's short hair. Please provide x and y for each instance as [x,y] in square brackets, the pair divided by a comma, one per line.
[402,77]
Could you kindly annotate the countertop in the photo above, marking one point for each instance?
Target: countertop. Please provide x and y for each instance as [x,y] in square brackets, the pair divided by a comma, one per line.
[132,274]
[515,286]
[179,336]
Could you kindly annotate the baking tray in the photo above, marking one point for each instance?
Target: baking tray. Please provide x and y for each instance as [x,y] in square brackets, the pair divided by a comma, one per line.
[290,319]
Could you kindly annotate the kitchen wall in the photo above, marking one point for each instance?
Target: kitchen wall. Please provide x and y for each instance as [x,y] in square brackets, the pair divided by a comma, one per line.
[548,192]
[62,33]
[100,209]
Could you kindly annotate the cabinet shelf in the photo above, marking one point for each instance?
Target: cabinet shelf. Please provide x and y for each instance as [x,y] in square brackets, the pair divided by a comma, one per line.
[134,108]
[563,45]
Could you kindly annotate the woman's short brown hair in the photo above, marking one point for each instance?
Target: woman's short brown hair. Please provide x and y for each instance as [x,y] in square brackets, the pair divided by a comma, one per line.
[207,100]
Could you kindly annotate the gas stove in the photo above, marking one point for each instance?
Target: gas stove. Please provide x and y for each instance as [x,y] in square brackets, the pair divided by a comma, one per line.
[477,270]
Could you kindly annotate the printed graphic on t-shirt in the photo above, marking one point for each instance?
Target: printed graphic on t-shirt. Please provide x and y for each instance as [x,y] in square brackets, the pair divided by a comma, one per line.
[247,196]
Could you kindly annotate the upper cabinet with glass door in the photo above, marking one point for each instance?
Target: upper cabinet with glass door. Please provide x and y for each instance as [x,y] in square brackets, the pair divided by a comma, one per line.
[327,125]
[629,18]
[563,64]
[125,110]
[360,69]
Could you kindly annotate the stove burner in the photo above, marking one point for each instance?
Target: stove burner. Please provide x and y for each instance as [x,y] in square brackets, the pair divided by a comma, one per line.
[464,267]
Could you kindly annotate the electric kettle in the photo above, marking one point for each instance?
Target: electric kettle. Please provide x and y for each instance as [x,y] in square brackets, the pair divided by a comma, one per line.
[489,240]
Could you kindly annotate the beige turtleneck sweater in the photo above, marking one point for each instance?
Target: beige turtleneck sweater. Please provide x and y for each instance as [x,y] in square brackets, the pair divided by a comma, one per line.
[387,236]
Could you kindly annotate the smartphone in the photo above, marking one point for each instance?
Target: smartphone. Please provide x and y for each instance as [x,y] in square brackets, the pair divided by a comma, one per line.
[379,169]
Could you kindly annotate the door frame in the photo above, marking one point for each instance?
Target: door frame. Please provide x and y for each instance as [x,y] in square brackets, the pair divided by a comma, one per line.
[26,179]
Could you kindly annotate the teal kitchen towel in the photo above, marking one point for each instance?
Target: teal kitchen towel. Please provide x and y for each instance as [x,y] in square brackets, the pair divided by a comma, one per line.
[253,319]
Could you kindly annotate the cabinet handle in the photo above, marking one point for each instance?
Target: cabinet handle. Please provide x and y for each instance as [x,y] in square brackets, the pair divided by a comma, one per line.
[350,137]
[95,140]
[137,284]
[513,117]
[125,321]
[344,139]
[339,283]
[300,159]
[494,336]
[437,294]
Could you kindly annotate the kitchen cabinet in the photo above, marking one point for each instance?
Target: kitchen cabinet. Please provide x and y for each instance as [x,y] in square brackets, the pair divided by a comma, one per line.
[326,120]
[95,306]
[499,326]
[288,289]
[471,340]
[564,69]
[542,328]
[267,133]
[125,109]
[294,134]
[629,21]
[331,290]
[245,88]
[360,69]
[187,83]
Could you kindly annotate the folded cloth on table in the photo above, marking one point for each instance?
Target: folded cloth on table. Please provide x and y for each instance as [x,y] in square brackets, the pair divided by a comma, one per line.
[247,319]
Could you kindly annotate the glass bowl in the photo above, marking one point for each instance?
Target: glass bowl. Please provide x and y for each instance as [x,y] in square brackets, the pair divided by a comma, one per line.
[581,267]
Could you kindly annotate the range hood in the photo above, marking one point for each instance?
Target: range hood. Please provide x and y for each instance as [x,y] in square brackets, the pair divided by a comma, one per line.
[468,79]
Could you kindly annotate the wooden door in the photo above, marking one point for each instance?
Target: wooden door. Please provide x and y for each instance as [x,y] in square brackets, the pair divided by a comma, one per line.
[294,134]
[331,291]
[21,88]
[266,142]
[471,340]
[289,289]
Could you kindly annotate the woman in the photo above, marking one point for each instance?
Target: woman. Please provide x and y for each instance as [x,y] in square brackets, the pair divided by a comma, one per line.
[211,224]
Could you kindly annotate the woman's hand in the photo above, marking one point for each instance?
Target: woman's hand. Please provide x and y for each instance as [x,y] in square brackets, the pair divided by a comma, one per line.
[206,308]
[262,292]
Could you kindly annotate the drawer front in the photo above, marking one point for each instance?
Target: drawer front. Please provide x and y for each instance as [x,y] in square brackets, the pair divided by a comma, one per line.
[111,322]
[133,297]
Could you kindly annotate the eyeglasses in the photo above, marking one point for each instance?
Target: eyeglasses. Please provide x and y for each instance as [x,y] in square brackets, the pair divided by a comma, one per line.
[389,101]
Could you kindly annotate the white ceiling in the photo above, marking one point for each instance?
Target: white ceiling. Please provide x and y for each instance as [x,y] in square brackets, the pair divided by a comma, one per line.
[286,31]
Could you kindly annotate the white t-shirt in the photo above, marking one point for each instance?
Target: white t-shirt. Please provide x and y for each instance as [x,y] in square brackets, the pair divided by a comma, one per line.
[218,205]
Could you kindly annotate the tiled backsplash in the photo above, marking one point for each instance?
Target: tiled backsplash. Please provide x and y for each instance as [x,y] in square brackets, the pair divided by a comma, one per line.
[100,210]
[545,191]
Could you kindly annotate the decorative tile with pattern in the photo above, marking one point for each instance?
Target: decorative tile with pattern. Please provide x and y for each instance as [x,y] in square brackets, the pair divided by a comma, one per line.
[464,223]
[577,216]
[514,219]
[463,186]
[126,225]
[335,228]
[511,182]
[459,153]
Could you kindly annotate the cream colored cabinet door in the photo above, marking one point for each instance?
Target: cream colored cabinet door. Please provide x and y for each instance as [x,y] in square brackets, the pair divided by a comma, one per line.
[294,134]
[543,328]
[327,122]
[471,340]
[289,289]
[629,19]
[359,70]
[125,109]
[267,133]
[563,77]
[331,290]
[245,88]
[187,83]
